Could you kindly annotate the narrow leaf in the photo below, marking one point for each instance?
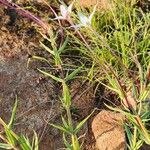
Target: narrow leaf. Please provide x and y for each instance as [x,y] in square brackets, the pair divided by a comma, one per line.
[64,122]
[129,133]
[47,49]
[66,95]
[72,75]
[82,123]
[49,75]
[69,147]
[10,137]
[24,143]
[36,143]
[75,143]
[60,128]
[5,146]
[40,58]
[61,49]
[13,114]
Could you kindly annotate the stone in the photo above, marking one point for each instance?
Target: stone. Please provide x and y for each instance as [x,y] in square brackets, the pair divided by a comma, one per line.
[108,131]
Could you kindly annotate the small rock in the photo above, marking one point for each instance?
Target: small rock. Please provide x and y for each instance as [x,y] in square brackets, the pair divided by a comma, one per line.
[108,131]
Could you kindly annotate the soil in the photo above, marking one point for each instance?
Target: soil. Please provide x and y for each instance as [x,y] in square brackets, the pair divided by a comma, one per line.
[38,96]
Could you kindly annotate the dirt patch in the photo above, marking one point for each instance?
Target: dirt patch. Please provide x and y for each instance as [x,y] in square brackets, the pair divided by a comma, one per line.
[83,97]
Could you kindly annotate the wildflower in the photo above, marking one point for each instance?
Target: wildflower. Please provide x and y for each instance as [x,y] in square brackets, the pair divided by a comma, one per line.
[84,20]
[65,12]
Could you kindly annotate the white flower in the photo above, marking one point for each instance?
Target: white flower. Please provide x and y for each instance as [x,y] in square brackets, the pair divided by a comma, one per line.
[65,12]
[84,20]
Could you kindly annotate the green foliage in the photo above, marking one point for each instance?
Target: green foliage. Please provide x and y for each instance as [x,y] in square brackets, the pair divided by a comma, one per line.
[67,126]
[13,141]
[116,43]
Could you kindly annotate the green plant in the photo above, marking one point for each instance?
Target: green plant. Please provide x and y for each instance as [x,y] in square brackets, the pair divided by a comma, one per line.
[67,126]
[118,50]
[55,52]
[10,140]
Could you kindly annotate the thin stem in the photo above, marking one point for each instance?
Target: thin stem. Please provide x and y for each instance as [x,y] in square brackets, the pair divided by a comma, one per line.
[134,137]
[25,13]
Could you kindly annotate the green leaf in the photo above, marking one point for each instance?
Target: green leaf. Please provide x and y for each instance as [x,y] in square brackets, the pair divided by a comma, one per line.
[110,87]
[36,142]
[66,95]
[72,75]
[40,58]
[145,135]
[119,110]
[146,115]
[13,114]
[64,122]
[24,143]
[144,95]
[7,130]
[5,146]
[75,142]
[57,59]
[82,123]
[61,128]
[47,49]
[139,144]
[9,135]
[129,133]
[69,147]
[63,46]
[49,75]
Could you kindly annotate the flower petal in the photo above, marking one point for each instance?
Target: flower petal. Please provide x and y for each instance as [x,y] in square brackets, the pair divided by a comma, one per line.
[63,11]
[83,19]
[70,7]
[91,15]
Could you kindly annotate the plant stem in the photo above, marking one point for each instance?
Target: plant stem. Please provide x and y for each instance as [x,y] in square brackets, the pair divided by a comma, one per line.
[134,137]
[25,13]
